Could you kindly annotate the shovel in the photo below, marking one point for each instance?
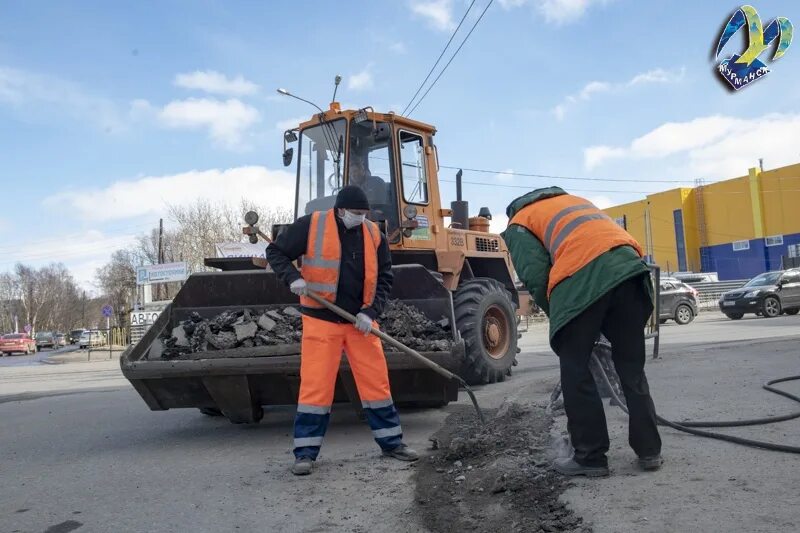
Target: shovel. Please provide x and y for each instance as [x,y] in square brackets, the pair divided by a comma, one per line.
[403,348]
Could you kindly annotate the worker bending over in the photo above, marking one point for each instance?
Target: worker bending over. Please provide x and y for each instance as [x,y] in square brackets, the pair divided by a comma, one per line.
[345,260]
[587,274]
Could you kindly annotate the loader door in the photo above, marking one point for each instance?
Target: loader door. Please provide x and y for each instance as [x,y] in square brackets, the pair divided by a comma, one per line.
[370,161]
[415,174]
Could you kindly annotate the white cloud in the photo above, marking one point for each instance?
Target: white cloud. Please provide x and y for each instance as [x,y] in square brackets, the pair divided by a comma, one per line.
[398,47]
[712,147]
[555,11]
[438,13]
[601,202]
[44,95]
[506,175]
[290,123]
[150,195]
[593,88]
[213,82]
[360,81]
[596,155]
[226,121]
[498,224]
[81,251]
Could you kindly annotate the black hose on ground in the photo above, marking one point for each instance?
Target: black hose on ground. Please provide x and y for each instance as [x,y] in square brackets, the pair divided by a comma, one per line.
[688,426]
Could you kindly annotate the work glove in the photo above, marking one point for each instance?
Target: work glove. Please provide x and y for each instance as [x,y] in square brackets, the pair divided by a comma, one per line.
[363,323]
[299,287]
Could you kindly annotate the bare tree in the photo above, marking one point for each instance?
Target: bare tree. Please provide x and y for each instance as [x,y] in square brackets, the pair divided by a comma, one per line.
[117,279]
[193,232]
[10,304]
[46,296]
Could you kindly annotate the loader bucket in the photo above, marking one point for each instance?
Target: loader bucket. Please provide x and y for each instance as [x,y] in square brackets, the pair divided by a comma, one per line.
[240,381]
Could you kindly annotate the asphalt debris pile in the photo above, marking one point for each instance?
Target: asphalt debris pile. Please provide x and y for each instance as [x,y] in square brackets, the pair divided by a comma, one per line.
[409,325]
[233,329]
[247,328]
[494,477]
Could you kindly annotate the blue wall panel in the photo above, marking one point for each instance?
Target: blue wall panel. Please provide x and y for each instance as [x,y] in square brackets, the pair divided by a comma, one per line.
[747,263]
[680,243]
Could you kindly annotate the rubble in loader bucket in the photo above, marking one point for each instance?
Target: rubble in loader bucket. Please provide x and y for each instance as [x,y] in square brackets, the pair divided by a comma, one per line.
[248,329]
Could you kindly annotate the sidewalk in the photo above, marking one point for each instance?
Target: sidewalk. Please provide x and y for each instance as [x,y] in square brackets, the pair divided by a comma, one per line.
[85,356]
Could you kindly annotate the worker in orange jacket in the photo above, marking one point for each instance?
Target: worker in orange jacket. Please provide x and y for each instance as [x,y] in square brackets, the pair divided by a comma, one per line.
[346,260]
[588,275]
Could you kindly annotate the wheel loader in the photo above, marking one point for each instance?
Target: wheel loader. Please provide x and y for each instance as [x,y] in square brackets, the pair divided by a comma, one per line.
[445,263]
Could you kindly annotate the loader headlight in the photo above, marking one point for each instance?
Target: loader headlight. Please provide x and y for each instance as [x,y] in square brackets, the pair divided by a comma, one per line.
[410,212]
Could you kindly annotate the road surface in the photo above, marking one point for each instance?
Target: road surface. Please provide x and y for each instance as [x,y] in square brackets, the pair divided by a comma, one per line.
[82,452]
[35,358]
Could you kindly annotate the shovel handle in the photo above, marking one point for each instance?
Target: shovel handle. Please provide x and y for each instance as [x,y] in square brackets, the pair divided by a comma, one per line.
[384,337]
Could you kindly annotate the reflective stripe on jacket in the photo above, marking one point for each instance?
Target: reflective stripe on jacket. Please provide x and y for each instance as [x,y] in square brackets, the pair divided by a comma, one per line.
[573,231]
[323,256]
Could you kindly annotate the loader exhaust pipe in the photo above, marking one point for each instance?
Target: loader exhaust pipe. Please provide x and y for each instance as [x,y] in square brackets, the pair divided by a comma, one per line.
[402,347]
[459,209]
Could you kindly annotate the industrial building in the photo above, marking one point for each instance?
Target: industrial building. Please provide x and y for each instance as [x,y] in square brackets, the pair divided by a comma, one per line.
[737,227]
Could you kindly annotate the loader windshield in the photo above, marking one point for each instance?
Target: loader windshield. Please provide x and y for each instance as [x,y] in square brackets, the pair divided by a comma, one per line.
[319,177]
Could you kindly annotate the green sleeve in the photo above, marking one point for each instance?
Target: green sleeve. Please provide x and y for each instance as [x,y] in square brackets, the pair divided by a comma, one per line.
[531,261]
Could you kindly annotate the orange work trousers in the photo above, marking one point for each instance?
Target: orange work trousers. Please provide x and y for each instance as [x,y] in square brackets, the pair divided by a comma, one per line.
[323,343]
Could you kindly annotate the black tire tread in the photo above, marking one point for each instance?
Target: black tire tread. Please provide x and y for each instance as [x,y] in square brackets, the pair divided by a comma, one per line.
[466,301]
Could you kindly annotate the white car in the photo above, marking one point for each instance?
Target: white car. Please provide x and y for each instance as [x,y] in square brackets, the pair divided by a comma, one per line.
[91,338]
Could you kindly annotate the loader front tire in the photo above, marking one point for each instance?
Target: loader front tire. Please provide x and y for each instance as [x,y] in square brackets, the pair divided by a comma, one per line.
[485,318]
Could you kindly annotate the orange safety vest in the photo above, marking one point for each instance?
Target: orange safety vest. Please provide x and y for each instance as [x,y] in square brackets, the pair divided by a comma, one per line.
[573,231]
[323,258]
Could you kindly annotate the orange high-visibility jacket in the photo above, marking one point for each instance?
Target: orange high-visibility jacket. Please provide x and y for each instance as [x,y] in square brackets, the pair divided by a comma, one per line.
[573,231]
[324,254]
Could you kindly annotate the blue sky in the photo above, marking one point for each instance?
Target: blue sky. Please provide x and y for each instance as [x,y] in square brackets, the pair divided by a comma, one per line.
[108,110]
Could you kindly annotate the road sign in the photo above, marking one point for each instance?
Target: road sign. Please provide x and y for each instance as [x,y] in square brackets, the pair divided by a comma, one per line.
[240,249]
[144,318]
[27,328]
[108,311]
[163,273]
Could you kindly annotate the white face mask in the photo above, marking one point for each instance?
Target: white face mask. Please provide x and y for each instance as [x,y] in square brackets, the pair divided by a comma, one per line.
[351,220]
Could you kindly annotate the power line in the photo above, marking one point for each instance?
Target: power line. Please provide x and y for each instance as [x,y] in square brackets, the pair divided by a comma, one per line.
[431,86]
[547,176]
[421,85]
[528,187]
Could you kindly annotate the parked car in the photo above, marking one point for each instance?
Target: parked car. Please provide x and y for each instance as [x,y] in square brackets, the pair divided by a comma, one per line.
[677,301]
[45,339]
[61,339]
[75,335]
[91,338]
[17,342]
[770,294]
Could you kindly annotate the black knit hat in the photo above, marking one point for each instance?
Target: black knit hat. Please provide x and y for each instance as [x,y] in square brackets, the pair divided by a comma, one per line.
[351,197]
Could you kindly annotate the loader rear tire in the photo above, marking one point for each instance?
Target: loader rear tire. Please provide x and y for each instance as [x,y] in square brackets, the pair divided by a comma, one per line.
[486,320]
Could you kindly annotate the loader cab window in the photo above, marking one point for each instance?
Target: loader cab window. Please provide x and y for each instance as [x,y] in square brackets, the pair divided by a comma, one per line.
[413,169]
[369,166]
[317,178]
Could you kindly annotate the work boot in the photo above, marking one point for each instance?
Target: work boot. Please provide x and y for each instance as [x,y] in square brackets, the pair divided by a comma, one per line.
[567,466]
[650,462]
[402,453]
[302,466]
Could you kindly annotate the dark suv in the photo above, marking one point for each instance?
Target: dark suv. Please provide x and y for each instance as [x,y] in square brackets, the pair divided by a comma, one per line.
[677,302]
[768,295]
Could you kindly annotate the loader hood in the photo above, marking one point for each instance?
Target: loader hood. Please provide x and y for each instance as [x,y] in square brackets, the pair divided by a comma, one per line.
[531,197]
